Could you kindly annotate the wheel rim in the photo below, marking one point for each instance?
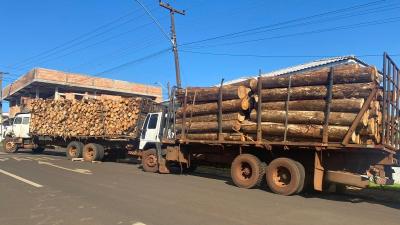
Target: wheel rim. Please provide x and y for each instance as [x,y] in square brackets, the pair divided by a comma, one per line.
[244,172]
[151,161]
[73,151]
[89,153]
[281,176]
[10,146]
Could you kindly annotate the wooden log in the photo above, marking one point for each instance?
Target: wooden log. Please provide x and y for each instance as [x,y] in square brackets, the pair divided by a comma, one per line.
[342,75]
[337,105]
[308,117]
[207,127]
[335,133]
[208,94]
[339,91]
[214,137]
[214,117]
[236,105]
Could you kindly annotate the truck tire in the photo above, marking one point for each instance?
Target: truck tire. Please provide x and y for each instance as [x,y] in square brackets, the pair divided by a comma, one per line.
[93,152]
[284,176]
[74,149]
[247,171]
[38,150]
[150,161]
[10,146]
[302,177]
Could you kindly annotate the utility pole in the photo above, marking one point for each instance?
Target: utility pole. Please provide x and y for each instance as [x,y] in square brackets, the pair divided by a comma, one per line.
[1,102]
[172,12]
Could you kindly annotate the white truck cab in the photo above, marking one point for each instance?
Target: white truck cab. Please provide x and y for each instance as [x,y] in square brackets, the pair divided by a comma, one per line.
[151,129]
[20,126]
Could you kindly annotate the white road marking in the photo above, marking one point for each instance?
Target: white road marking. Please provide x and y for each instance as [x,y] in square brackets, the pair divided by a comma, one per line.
[21,179]
[21,159]
[3,159]
[82,171]
[138,223]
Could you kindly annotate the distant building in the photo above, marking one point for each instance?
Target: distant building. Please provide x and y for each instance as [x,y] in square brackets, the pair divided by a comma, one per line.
[53,84]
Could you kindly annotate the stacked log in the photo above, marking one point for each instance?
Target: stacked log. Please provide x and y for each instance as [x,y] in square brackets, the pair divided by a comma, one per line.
[202,112]
[304,110]
[307,105]
[89,117]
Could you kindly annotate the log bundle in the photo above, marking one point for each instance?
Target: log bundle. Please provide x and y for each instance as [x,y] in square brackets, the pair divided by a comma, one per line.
[202,112]
[298,100]
[89,117]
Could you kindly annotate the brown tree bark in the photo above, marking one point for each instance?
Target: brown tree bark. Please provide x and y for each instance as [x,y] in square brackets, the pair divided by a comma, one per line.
[235,105]
[342,75]
[214,117]
[307,117]
[339,91]
[207,127]
[335,133]
[214,137]
[337,105]
[208,94]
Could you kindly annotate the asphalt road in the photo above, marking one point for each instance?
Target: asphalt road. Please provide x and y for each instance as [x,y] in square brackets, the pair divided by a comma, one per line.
[58,191]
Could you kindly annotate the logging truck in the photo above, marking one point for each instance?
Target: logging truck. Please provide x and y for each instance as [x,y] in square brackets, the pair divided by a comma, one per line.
[90,143]
[320,129]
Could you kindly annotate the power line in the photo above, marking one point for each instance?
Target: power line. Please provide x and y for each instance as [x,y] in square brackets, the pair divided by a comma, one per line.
[288,21]
[346,27]
[133,61]
[369,11]
[277,56]
[75,39]
[92,45]
[155,21]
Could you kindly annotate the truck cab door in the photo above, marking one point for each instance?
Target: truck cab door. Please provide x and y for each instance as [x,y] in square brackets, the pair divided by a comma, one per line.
[151,129]
[21,126]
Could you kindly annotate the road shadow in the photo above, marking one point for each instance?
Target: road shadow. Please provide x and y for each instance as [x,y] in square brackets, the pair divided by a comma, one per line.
[48,152]
[351,195]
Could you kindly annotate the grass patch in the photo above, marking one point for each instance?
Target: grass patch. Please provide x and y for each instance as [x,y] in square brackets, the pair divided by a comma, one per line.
[394,187]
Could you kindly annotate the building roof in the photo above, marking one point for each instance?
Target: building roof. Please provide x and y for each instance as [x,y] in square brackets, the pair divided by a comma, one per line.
[316,64]
[48,80]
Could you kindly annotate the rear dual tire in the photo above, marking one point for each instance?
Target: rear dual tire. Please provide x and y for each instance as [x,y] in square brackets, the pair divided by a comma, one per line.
[247,171]
[74,150]
[285,176]
[93,152]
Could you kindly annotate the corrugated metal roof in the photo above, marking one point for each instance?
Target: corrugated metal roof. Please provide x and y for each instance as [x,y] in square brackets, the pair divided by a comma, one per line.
[305,66]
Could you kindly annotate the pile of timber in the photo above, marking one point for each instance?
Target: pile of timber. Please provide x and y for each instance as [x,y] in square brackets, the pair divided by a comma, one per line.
[294,104]
[200,111]
[88,117]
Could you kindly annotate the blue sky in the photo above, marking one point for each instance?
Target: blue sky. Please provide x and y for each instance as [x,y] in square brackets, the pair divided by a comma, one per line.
[34,33]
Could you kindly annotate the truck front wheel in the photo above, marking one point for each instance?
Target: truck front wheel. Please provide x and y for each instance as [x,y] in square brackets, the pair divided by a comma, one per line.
[93,152]
[74,149]
[150,161]
[284,176]
[247,171]
[10,146]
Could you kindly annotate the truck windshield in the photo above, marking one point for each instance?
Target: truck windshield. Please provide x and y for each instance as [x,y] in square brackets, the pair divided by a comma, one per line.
[18,120]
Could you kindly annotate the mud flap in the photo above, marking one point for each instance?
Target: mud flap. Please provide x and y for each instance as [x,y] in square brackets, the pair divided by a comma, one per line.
[318,171]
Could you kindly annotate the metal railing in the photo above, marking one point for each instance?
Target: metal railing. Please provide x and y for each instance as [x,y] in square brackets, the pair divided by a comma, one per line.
[390,103]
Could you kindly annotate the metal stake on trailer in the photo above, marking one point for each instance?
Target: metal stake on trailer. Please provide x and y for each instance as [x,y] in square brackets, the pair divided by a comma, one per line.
[220,137]
[259,108]
[328,100]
